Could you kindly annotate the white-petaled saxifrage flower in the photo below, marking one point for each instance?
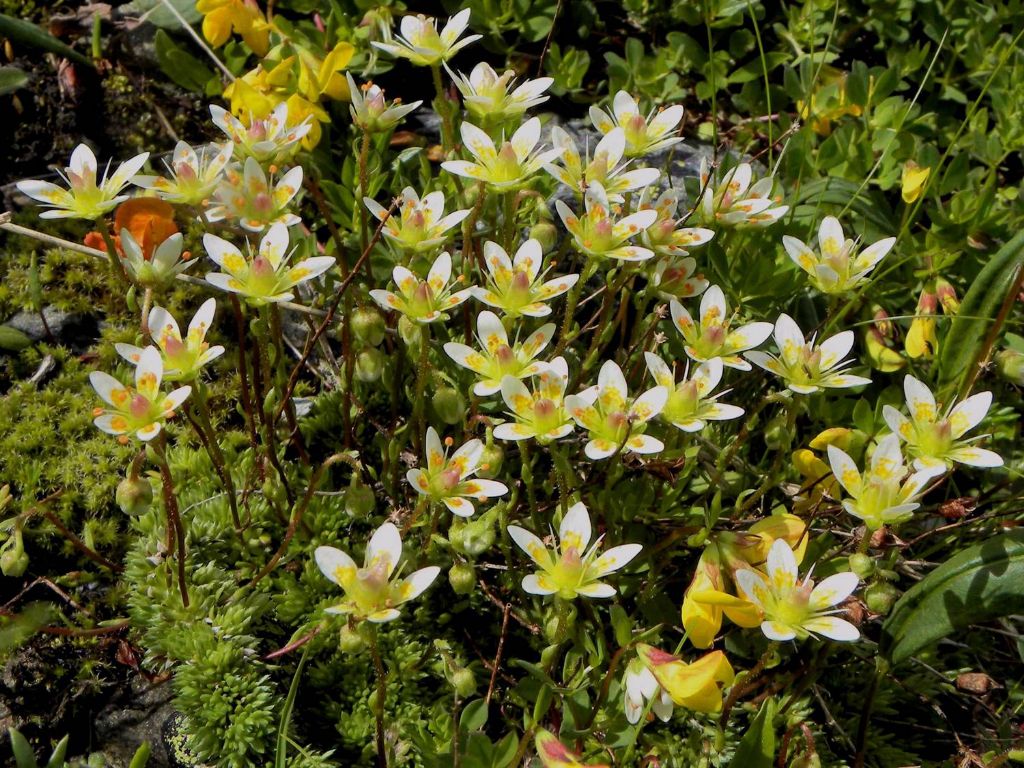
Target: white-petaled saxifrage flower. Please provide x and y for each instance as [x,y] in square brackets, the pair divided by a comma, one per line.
[265,278]
[496,358]
[840,267]
[735,202]
[141,409]
[84,198]
[506,167]
[420,43]
[418,224]
[253,201]
[675,279]
[599,234]
[795,609]
[571,569]
[268,141]
[712,336]
[370,592]
[616,422]
[422,300]
[162,266]
[194,174]
[644,135]
[182,358]
[807,367]
[933,440]
[605,167]
[371,111]
[690,404]
[447,479]
[489,96]
[883,494]
[514,285]
[638,687]
[665,237]
[539,414]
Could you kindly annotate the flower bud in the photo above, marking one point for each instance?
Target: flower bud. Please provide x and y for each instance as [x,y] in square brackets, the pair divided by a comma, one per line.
[546,234]
[368,326]
[880,597]
[490,461]
[947,296]
[350,641]
[449,405]
[369,365]
[862,565]
[462,577]
[1010,365]
[411,333]
[359,500]
[14,561]
[134,495]
[464,682]
[476,537]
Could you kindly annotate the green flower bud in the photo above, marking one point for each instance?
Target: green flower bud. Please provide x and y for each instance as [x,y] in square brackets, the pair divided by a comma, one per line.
[1010,365]
[490,461]
[449,405]
[350,640]
[464,682]
[368,326]
[862,565]
[462,577]
[14,561]
[807,761]
[880,597]
[411,333]
[134,495]
[546,234]
[359,499]
[476,537]
[369,365]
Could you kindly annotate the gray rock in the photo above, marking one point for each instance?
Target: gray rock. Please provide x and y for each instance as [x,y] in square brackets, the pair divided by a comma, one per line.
[71,328]
[137,716]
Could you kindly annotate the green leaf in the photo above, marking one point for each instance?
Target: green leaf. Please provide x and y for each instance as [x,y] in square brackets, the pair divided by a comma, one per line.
[961,345]
[757,747]
[474,716]
[979,584]
[57,757]
[141,756]
[180,65]
[13,340]
[281,753]
[11,79]
[23,755]
[29,34]
[157,14]
[832,194]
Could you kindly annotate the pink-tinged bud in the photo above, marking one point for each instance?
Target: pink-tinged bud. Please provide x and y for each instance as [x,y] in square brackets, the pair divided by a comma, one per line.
[944,430]
[544,408]
[422,294]
[375,578]
[927,304]
[715,335]
[139,406]
[257,131]
[184,172]
[689,390]
[571,557]
[173,346]
[450,478]
[603,228]
[76,181]
[637,124]
[504,355]
[416,220]
[263,203]
[375,103]
[947,296]
[507,153]
[882,323]
[520,281]
[812,360]
[618,421]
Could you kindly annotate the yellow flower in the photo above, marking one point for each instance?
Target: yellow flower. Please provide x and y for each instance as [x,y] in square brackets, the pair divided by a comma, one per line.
[221,17]
[921,340]
[696,686]
[913,180]
[554,754]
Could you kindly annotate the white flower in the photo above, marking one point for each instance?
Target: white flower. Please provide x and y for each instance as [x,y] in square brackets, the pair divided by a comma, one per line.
[497,358]
[605,167]
[883,494]
[640,686]
[164,264]
[734,202]
[807,367]
[934,441]
[422,300]
[571,569]
[195,174]
[182,358]
[489,96]
[690,404]
[370,592]
[663,236]
[674,279]
[84,198]
[266,277]
[370,110]
[643,134]
[267,141]
[417,224]
[616,422]
[539,414]
[599,234]
[253,201]
[447,479]
[794,609]
[513,286]
[142,409]
[839,267]
[711,337]
[421,44]
[503,168]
